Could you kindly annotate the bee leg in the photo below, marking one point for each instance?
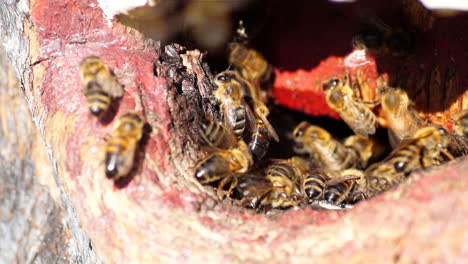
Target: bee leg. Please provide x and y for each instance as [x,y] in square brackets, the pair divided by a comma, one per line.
[233,185]
[356,197]
[263,209]
[219,191]
[343,196]
[250,202]
[447,154]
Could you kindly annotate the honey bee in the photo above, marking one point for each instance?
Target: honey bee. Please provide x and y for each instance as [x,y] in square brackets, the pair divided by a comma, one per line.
[261,112]
[362,147]
[402,119]
[330,186]
[122,145]
[249,62]
[427,147]
[340,97]
[339,188]
[216,135]
[281,188]
[377,178]
[225,165]
[100,85]
[461,124]
[260,140]
[323,149]
[229,93]
[315,182]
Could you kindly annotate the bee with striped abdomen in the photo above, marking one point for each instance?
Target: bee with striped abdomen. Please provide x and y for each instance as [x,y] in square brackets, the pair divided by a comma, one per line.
[330,186]
[122,145]
[99,85]
[247,120]
[427,147]
[226,165]
[314,183]
[325,151]
[230,95]
[280,188]
[339,188]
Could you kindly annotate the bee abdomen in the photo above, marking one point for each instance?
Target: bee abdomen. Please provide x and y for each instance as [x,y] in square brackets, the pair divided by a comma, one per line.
[112,163]
[260,142]
[115,159]
[212,133]
[239,122]
[314,185]
[211,168]
[98,100]
[281,171]
[333,193]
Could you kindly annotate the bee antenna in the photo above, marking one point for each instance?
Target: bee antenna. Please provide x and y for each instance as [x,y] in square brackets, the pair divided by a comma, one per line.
[241,34]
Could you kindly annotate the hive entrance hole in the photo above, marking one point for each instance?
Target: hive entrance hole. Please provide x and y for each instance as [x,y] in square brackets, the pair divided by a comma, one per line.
[293,37]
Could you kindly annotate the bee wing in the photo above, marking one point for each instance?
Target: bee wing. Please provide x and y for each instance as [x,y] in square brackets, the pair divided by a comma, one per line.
[249,115]
[253,186]
[227,107]
[263,117]
[393,139]
[345,178]
[359,118]
[270,128]
[111,85]
[459,115]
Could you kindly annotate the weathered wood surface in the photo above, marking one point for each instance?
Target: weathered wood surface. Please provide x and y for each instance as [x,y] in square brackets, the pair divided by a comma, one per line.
[162,214]
[37,220]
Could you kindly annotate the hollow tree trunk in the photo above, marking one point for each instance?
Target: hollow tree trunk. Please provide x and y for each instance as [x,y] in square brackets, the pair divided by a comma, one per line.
[57,205]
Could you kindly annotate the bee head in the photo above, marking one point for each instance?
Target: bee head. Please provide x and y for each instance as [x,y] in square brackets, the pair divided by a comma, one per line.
[399,166]
[444,139]
[334,82]
[224,77]
[300,129]
[442,131]
[318,133]
[393,99]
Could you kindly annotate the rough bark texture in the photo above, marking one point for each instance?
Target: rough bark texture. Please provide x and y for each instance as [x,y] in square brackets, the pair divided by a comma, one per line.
[37,220]
[160,213]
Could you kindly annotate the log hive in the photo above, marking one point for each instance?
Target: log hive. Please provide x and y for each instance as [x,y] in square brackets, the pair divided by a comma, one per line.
[56,205]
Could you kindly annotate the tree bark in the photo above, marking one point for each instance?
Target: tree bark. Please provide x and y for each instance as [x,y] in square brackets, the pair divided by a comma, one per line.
[56,198]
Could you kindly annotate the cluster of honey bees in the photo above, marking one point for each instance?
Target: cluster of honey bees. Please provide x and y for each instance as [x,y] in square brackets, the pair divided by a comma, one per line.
[102,90]
[325,170]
